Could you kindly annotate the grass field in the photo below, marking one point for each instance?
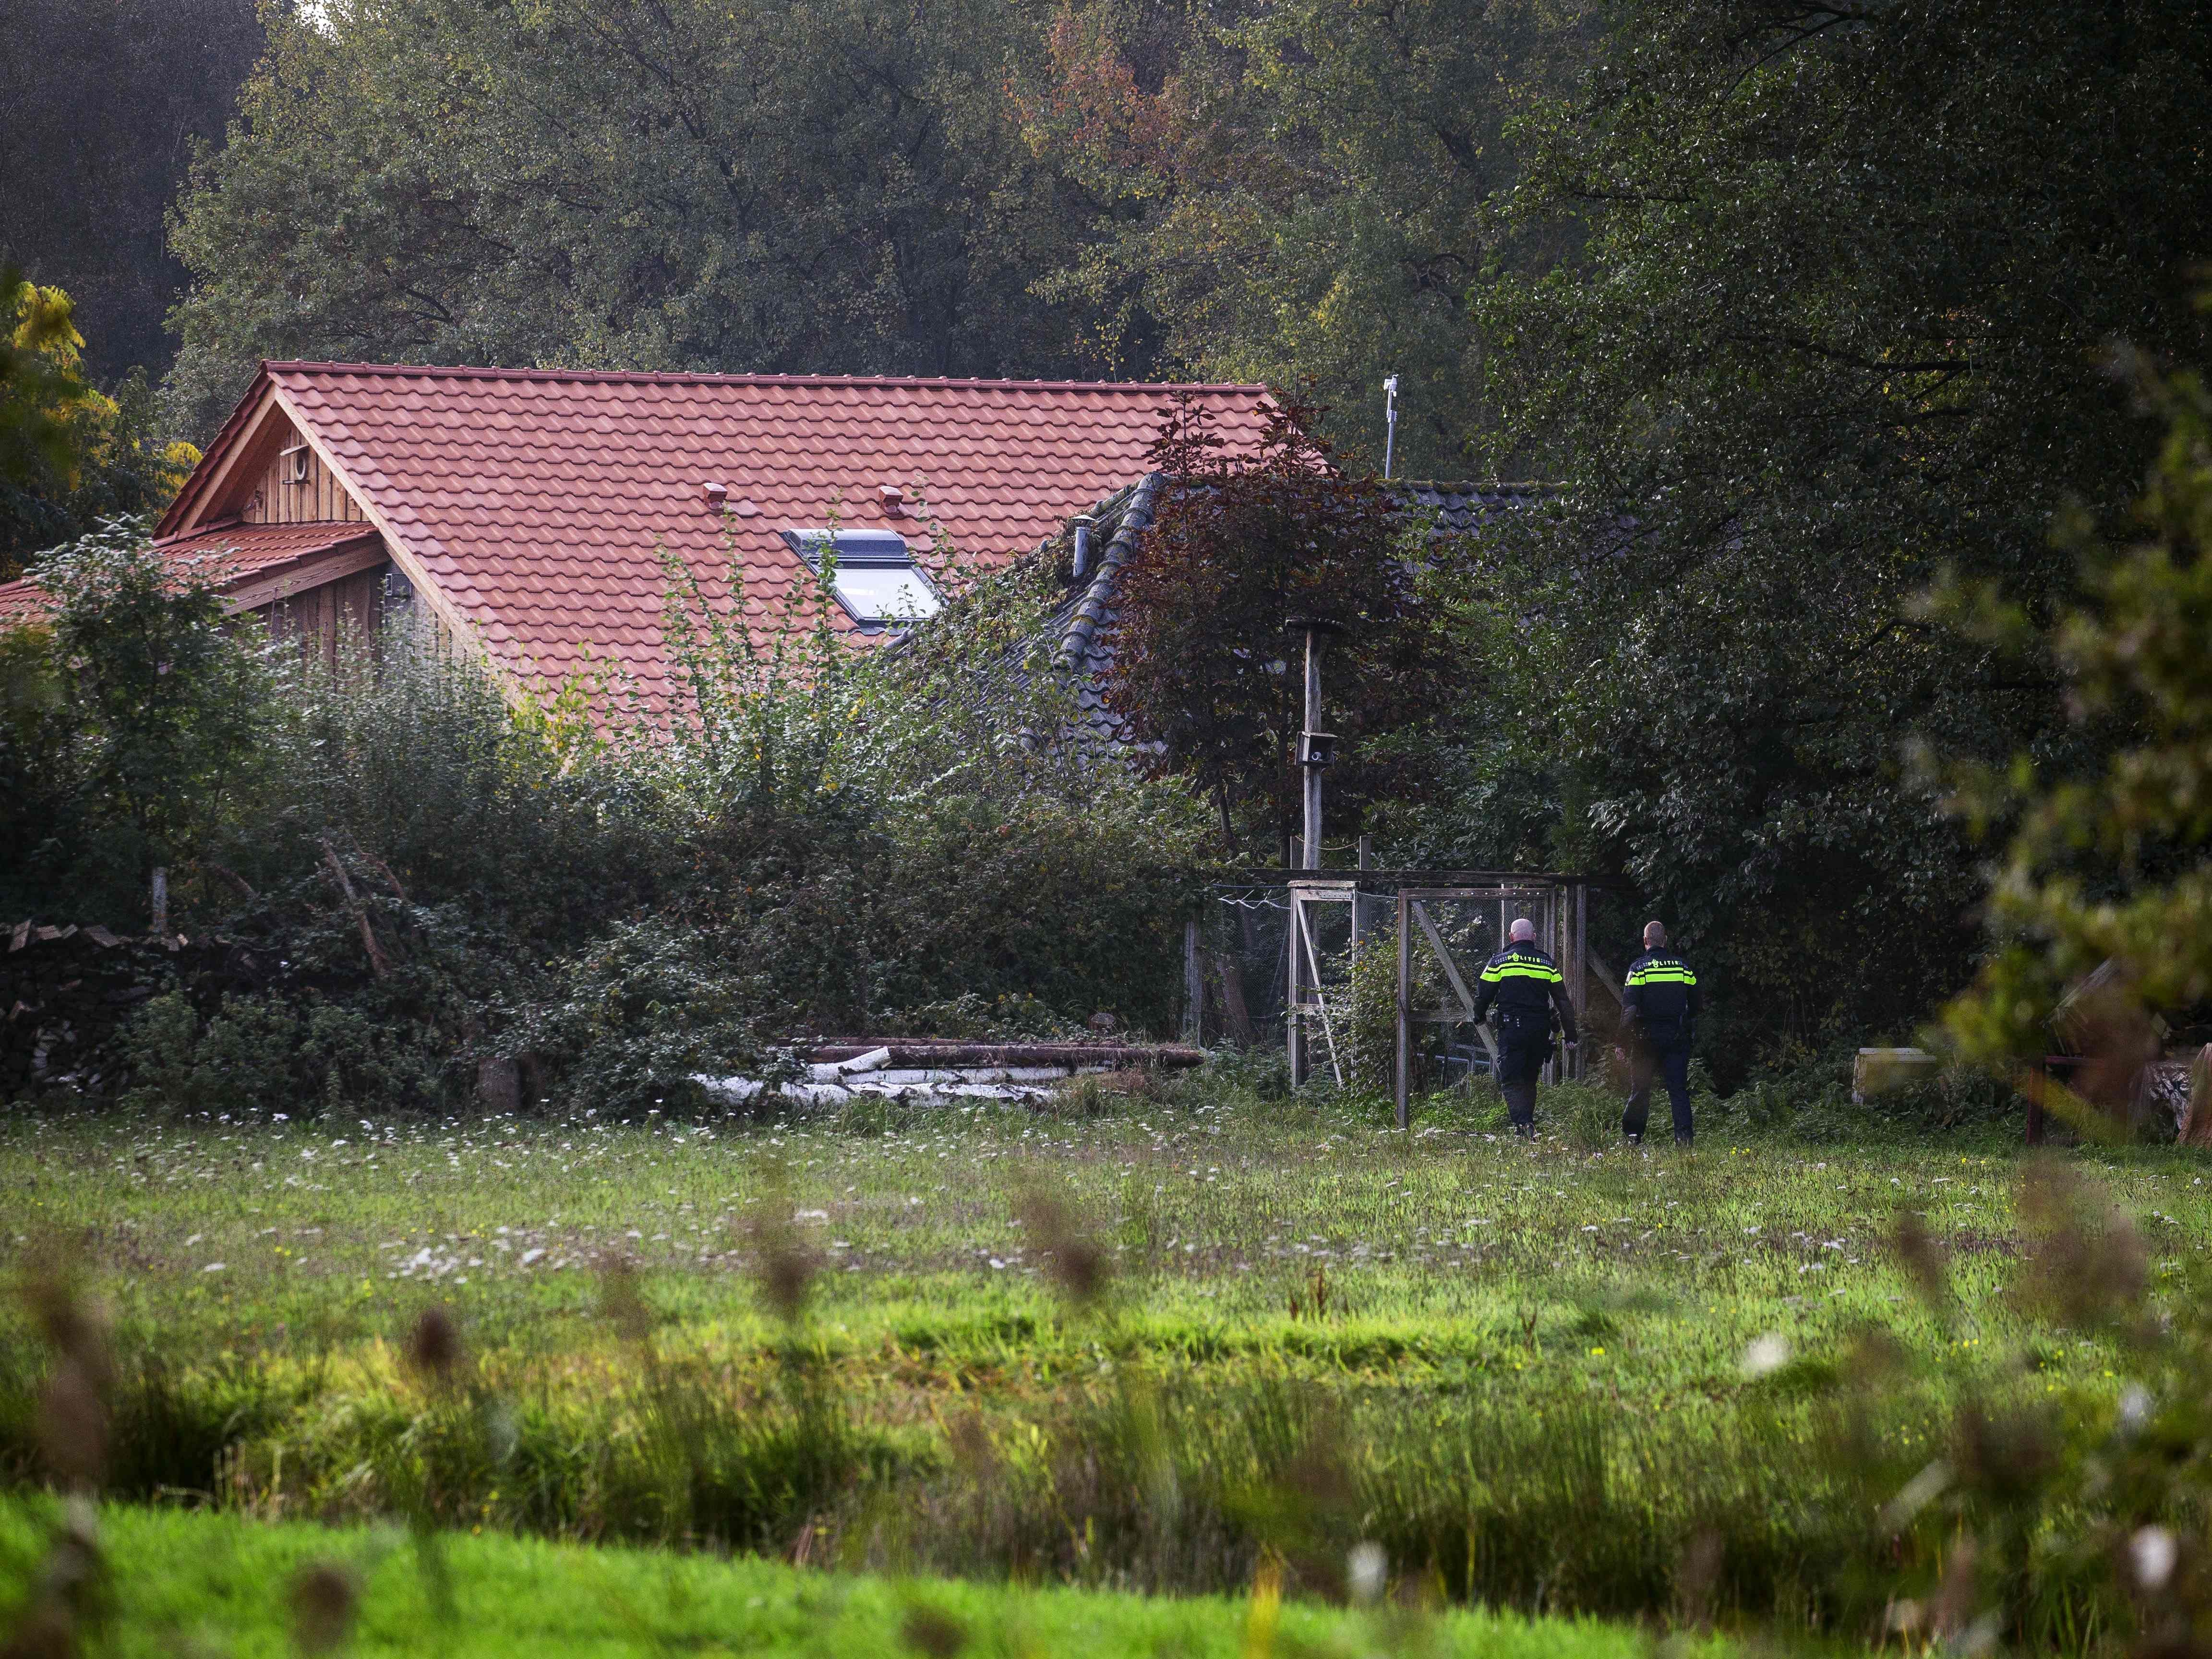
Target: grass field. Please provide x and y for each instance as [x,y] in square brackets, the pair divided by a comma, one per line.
[1523,1371]
[206,1584]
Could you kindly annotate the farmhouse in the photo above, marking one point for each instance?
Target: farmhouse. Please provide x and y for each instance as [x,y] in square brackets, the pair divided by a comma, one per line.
[526,513]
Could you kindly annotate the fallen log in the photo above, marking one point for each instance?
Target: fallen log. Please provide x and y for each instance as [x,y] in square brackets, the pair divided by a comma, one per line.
[949,1055]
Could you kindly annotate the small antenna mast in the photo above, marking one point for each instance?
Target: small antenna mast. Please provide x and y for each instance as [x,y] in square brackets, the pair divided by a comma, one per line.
[1390,420]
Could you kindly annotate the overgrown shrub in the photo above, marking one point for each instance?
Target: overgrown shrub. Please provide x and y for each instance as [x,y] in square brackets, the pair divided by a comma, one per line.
[1806,1095]
[633,1020]
[133,721]
[411,874]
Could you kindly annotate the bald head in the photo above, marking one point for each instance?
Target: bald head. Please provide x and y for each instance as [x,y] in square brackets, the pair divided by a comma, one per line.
[1655,935]
[1523,930]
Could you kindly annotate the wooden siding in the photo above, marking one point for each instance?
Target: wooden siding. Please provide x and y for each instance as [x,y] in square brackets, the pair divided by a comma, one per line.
[278,498]
[331,621]
[257,592]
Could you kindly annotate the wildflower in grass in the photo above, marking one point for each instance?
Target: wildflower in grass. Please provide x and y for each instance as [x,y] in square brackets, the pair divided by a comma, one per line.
[1765,1355]
[2152,1552]
[1923,1260]
[2087,1266]
[1366,1573]
[1076,1263]
[73,1408]
[324,1598]
[620,1301]
[433,1346]
[783,1265]
[73,1430]
[933,1631]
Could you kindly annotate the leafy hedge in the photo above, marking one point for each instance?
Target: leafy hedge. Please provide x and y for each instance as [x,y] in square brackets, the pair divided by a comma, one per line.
[408,873]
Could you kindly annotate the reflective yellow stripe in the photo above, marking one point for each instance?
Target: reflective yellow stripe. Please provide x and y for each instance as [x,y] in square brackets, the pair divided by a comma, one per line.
[1497,971]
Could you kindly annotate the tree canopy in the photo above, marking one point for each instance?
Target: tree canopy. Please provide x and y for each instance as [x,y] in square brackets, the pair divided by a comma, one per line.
[101,105]
[1245,553]
[2107,862]
[1844,274]
[1297,192]
[681,186]
[70,455]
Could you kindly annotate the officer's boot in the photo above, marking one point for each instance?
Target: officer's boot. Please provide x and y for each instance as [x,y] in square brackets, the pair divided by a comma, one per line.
[1525,1131]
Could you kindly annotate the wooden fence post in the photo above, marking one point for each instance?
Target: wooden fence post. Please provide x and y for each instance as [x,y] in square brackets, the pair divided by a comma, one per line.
[1193,988]
[1401,1079]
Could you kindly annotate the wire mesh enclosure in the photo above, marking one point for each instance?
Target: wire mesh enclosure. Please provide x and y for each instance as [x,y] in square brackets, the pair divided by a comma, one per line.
[1475,922]
[1369,977]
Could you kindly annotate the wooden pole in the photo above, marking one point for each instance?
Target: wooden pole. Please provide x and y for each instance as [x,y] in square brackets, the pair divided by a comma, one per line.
[1581,975]
[1309,857]
[1311,779]
[1193,988]
[1294,1026]
[1548,935]
[1359,899]
[1401,1079]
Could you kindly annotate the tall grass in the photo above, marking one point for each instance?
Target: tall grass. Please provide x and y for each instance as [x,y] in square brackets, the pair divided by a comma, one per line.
[1146,1483]
[1153,1343]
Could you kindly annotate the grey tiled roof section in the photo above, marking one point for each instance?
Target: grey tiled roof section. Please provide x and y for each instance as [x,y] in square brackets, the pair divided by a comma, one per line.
[1083,658]
[1463,509]
[1095,606]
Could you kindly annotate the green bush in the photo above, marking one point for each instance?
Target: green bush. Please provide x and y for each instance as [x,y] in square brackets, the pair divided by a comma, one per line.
[133,723]
[249,1055]
[409,874]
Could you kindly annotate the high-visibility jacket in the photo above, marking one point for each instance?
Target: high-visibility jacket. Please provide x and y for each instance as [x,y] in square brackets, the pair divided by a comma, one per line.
[1525,986]
[1660,1001]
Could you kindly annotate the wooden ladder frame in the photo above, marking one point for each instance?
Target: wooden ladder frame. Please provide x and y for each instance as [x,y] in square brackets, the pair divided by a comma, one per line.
[1303,1001]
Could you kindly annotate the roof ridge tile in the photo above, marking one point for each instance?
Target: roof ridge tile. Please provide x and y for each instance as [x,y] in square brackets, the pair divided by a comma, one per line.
[700,377]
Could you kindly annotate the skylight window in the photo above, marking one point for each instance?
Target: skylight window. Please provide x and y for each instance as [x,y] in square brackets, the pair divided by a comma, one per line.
[875,578]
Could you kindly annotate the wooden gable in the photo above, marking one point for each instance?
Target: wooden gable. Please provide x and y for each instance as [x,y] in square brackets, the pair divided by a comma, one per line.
[261,477]
[296,486]
[264,471]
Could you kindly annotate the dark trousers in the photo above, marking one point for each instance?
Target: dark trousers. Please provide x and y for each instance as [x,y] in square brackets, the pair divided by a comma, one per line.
[1519,1059]
[1673,1064]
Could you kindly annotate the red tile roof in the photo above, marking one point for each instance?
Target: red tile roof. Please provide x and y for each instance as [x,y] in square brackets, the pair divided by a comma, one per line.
[538,500]
[22,602]
[231,553]
[237,551]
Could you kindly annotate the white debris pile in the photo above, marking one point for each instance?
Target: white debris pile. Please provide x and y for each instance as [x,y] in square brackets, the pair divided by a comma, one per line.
[872,1073]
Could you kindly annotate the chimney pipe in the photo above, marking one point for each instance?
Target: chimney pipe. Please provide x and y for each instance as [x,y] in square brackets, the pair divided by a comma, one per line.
[1084,524]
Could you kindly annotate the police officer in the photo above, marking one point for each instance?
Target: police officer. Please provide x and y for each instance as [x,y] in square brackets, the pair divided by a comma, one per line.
[1526,986]
[1658,1006]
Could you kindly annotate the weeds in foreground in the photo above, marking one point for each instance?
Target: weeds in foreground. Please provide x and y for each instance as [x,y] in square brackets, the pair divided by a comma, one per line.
[67,1600]
[1108,1444]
